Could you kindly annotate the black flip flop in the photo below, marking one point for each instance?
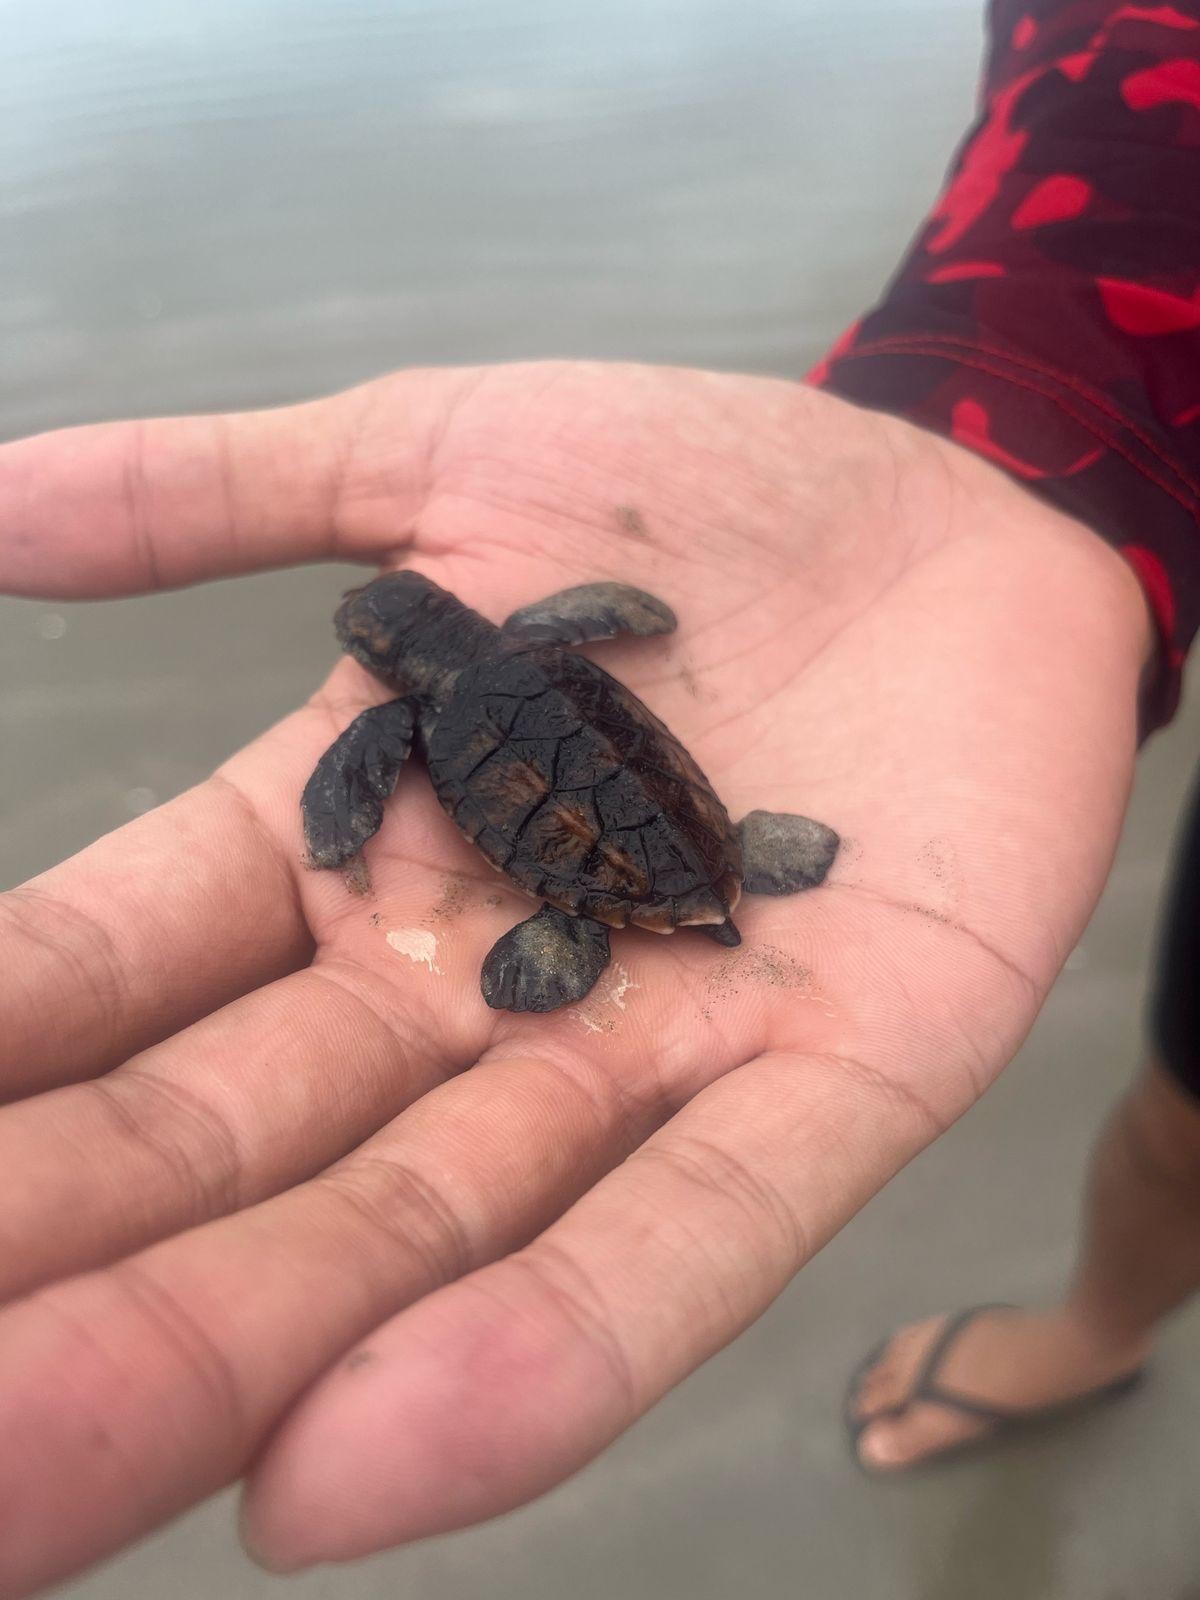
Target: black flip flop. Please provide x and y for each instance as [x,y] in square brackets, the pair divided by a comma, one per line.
[1000,1420]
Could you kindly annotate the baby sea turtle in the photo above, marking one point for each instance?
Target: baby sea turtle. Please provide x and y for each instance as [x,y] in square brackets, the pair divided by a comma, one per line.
[557,772]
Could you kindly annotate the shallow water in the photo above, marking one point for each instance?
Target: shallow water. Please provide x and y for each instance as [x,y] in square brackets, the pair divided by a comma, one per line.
[221,203]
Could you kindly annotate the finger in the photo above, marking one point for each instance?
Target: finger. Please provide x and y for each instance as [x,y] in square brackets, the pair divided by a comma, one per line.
[273,1086]
[256,1097]
[122,508]
[153,926]
[129,1393]
[498,1386]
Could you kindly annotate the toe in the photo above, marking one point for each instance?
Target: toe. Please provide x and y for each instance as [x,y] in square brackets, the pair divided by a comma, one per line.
[888,1382]
[874,1391]
[881,1445]
[880,1385]
[919,1434]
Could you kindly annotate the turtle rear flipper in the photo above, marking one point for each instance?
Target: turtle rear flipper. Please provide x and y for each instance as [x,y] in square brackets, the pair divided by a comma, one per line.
[590,611]
[342,803]
[782,854]
[547,961]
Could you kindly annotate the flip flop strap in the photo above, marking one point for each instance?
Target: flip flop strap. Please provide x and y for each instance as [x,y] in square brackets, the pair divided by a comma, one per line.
[927,1386]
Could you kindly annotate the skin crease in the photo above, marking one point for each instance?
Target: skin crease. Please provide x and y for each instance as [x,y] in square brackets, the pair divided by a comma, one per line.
[257,1218]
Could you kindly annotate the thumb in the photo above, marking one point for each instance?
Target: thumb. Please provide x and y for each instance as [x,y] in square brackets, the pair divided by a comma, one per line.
[126,507]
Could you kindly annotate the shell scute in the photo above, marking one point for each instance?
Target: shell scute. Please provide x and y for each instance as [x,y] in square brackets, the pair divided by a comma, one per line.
[580,794]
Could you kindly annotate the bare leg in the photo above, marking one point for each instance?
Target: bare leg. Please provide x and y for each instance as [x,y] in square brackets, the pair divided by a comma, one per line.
[1141,1249]
[1139,1260]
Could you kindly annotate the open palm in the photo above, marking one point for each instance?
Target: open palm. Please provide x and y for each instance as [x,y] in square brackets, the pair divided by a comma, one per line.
[257,1216]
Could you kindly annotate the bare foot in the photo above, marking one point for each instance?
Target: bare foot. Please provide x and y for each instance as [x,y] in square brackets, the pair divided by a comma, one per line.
[1010,1359]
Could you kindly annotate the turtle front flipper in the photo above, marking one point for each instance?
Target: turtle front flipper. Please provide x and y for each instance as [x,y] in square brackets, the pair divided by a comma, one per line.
[590,611]
[342,803]
[782,854]
[547,961]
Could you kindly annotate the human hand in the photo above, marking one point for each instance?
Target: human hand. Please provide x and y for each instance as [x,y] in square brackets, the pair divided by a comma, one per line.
[257,1218]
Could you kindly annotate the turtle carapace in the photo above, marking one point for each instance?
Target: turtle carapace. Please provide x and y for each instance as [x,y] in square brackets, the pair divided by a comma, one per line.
[558,773]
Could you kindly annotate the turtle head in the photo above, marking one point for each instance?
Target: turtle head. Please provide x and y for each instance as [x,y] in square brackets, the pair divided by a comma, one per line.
[411,634]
